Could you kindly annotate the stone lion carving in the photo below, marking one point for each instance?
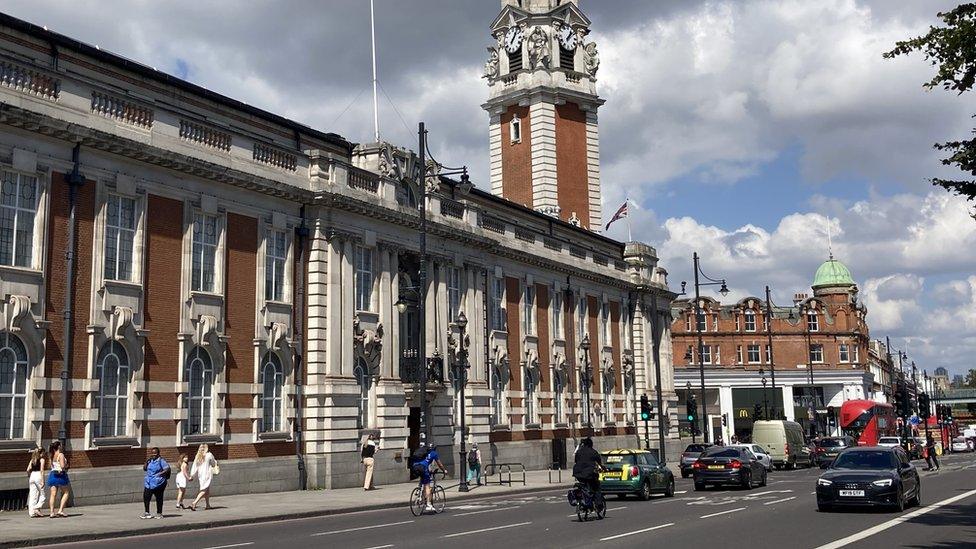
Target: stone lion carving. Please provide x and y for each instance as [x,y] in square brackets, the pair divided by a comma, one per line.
[540,50]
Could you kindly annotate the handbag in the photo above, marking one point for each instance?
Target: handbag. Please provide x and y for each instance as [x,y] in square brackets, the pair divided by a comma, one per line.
[216,470]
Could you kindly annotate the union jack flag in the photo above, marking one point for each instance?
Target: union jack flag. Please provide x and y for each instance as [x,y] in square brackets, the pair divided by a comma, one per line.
[621,213]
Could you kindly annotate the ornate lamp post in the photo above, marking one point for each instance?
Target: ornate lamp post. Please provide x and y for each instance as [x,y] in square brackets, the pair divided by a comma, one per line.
[769,342]
[586,377]
[461,378]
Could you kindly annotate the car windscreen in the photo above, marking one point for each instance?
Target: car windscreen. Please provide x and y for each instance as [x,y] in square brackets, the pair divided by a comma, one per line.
[618,461]
[888,440]
[720,452]
[865,459]
[695,448]
[830,443]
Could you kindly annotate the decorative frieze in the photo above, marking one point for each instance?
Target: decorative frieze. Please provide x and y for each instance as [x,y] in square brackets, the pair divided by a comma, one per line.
[552,244]
[204,135]
[28,81]
[267,154]
[576,251]
[600,259]
[524,235]
[121,110]
[363,180]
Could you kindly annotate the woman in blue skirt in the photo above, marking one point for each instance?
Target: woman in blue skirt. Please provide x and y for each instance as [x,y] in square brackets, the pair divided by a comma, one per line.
[58,478]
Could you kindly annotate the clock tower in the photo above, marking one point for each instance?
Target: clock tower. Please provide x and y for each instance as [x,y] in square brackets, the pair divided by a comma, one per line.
[542,103]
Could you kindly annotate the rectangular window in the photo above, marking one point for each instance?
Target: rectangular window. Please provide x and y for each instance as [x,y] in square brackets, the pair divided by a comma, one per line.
[706,354]
[750,321]
[515,129]
[715,322]
[275,255]
[205,238]
[753,351]
[364,278]
[765,323]
[453,293]
[557,313]
[738,354]
[690,355]
[497,300]
[605,322]
[528,310]
[769,357]
[737,323]
[845,353]
[120,234]
[813,323]
[816,353]
[18,207]
[688,322]
[854,354]
[581,319]
[702,324]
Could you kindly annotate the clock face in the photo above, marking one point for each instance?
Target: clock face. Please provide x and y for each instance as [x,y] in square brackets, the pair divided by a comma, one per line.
[567,37]
[513,39]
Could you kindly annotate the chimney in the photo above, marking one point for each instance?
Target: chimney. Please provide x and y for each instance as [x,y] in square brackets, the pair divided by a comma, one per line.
[797,298]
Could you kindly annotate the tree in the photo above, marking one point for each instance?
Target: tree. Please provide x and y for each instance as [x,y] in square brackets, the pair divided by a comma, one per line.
[952,49]
[971,379]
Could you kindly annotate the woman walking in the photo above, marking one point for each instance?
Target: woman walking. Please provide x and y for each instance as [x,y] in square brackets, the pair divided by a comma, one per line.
[474,464]
[366,458]
[35,480]
[204,468]
[154,485]
[181,479]
[58,478]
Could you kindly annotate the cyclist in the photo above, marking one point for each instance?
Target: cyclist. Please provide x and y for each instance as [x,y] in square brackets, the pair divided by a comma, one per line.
[586,467]
[426,477]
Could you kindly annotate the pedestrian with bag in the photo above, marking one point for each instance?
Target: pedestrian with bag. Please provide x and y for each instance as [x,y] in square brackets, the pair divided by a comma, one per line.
[35,483]
[930,457]
[204,468]
[154,485]
[58,479]
[366,458]
[182,478]
[474,464]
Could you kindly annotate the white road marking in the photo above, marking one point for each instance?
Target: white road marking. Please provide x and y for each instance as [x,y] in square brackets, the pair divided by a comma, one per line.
[233,545]
[488,511]
[779,501]
[608,510]
[722,513]
[380,546]
[486,530]
[362,528]
[618,536]
[894,522]
[681,492]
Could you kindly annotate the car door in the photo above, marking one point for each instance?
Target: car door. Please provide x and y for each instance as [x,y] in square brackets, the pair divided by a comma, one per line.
[907,471]
[653,471]
[762,455]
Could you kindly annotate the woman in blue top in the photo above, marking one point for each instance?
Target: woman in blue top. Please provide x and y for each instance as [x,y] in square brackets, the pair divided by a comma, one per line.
[157,473]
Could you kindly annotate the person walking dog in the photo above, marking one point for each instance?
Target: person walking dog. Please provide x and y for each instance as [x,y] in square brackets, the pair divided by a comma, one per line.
[35,481]
[157,474]
[366,458]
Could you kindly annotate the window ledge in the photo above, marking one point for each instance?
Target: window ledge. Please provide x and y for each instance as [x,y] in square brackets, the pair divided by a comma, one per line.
[127,284]
[499,333]
[199,294]
[18,445]
[115,442]
[533,426]
[561,425]
[367,315]
[501,427]
[274,436]
[201,439]
[24,271]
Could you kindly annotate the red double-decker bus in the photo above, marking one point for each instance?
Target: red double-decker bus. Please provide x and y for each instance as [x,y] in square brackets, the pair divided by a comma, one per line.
[866,420]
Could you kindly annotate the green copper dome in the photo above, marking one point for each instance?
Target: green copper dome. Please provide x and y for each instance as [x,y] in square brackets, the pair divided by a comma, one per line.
[832,273]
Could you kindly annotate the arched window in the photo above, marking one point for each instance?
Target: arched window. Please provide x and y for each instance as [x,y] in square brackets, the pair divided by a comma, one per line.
[529,398]
[198,374]
[497,398]
[365,381]
[13,386]
[112,371]
[271,377]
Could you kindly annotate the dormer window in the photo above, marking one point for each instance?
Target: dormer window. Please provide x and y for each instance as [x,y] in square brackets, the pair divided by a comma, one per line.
[515,129]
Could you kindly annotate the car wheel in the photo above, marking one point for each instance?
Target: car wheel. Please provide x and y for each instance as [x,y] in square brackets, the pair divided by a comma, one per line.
[747,480]
[763,481]
[621,496]
[900,500]
[917,498]
[823,507]
[778,466]
[644,493]
[699,486]
[791,465]
[669,492]
[684,474]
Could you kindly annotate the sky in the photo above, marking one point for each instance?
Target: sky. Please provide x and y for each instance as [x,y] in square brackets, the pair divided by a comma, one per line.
[741,129]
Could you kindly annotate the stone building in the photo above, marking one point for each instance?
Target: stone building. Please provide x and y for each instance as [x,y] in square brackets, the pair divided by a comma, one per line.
[178,268]
[820,355]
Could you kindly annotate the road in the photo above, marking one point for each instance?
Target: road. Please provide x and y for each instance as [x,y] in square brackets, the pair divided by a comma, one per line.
[782,514]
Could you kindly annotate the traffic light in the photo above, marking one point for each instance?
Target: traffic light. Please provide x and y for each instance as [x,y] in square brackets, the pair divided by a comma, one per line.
[645,410]
[692,409]
[830,414]
[757,412]
[725,420]
[923,406]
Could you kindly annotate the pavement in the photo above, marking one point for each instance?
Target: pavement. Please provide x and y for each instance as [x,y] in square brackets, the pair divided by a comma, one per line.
[782,514]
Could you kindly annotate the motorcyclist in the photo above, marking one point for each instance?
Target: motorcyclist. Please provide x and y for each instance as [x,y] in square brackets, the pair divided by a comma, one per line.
[587,465]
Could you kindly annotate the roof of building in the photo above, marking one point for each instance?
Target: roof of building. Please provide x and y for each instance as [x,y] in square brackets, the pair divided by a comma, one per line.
[832,273]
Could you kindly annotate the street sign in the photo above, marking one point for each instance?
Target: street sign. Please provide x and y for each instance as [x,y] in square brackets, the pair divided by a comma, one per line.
[914,420]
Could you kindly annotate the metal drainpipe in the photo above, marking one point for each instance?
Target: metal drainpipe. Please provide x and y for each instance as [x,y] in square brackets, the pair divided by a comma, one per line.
[74,180]
[301,232]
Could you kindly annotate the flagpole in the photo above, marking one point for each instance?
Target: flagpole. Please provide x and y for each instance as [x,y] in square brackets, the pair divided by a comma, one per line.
[630,234]
[372,34]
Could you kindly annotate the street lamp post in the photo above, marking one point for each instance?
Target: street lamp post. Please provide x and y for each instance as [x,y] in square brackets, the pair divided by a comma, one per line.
[769,342]
[586,375]
[461,376]
[698,329]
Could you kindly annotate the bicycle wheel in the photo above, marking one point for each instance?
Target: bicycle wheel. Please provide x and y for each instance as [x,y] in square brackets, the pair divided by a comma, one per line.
[600,506]
[440,499]
[417,502]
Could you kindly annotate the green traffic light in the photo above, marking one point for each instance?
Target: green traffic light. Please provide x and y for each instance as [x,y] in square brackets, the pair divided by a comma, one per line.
[691,417]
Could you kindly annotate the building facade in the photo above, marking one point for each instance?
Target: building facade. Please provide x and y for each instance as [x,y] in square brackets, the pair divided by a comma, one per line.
[181,268]
[820,356]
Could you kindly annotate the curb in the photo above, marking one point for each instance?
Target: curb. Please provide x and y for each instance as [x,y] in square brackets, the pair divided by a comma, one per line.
[173,527]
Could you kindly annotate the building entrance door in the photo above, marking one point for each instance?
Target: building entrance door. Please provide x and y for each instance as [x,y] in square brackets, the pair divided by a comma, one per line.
[413,424]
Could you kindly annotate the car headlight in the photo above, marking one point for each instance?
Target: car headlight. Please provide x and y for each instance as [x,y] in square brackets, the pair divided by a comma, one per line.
[883,482]
[824,482]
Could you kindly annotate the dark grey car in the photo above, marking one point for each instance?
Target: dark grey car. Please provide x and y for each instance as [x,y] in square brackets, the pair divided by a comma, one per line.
[719,465]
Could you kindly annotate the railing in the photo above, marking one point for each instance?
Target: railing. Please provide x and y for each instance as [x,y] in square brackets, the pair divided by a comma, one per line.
[28,81]
[504,472]
[204,135]
[363,180]
[410,371]
[577,252]
[452,208]
[600,260]
[554,245]
[267,154]
[524,235]
[121,110]
[492,224]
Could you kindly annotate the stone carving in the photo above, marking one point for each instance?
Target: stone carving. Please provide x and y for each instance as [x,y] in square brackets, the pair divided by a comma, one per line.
[433,177]
[121,320]
[532,363]
[630,373]
[18,307]
[574,220]
[540,49]
[591,59]
[387,165]
[607,371]
[368,345]
[491,65]
[499,354]
[207,330]
[276,335]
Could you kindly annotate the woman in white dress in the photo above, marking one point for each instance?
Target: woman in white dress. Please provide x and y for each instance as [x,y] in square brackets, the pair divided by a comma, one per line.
[182,478]
[204,468]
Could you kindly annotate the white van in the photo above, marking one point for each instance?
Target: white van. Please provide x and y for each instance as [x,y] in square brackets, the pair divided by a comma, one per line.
[784,440]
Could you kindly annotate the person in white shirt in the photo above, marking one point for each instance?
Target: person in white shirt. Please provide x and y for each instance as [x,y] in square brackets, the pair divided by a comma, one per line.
[204,468]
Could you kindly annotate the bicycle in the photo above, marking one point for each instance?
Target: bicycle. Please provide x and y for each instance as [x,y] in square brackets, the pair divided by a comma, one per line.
[437,495]
[587,502]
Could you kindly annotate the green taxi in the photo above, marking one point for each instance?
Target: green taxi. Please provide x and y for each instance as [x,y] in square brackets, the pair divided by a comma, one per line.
[635,472]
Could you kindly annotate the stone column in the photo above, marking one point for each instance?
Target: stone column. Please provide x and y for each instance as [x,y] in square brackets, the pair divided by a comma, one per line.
[726,407]
[788,402]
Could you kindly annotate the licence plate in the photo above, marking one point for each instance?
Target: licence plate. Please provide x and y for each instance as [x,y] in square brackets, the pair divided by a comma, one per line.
[852,493]
[610,475]
[712,467]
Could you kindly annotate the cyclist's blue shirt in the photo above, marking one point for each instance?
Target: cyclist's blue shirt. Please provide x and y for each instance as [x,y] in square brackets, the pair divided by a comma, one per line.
[432,456]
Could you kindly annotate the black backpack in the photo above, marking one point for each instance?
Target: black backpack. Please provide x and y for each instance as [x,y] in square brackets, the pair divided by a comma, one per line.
[473,457]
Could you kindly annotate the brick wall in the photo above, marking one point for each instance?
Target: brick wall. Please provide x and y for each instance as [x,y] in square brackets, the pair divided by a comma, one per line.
[571,169]
[517,159]
[242,252]
[545,359]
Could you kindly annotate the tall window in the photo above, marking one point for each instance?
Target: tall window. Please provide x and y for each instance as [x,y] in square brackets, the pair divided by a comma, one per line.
[497,398]
[13,386]
[275,255]
[120,233]
[112,371]
[204,252]
[364,278]
[581,319]
[702,324]
[688,322]
[529,398]
[816,353]
[607,399]
[497,301]
[557,313]
[813,323]
[738,354]
[272,380]
[557,398]
[750,321]
[855,357]
[18,207]
[845,353]
[605,322]
[769,355]
[690,354]
[453,293]
[528,310]
[515,129]
[706,352]
[199,375]
[753,351]
[765,323]
[365,381]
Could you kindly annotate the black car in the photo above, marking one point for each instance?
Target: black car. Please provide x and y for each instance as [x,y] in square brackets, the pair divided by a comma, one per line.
[869,475]
[689,457]
[720,465]
[828,448]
